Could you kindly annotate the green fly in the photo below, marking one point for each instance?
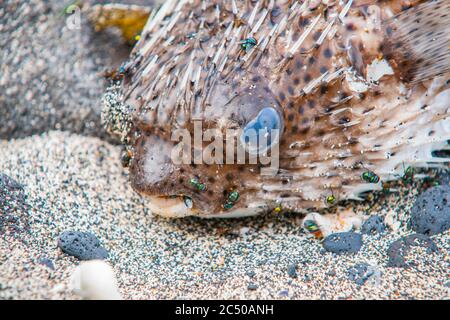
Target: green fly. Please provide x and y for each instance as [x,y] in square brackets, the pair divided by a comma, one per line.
[198,185]
[331,199]
[370,177]
[233,197]
[408,174]
[313,228]
[248,43]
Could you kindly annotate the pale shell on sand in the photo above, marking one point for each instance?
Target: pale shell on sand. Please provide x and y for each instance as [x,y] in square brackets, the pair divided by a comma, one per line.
[95,280]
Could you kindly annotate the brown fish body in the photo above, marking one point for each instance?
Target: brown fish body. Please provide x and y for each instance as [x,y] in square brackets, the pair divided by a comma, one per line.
[345,108]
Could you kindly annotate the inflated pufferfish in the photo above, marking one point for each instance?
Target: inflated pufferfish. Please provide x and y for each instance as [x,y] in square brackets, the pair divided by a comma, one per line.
[359,91]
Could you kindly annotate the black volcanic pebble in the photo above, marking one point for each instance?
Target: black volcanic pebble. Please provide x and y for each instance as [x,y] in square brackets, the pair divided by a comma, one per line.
[9,183]
[343,242]
[373,225]
[292,271]
[431,212]
[14,209]
[360,273]
[252,286]
[399,249]
[444,178]
[82,245]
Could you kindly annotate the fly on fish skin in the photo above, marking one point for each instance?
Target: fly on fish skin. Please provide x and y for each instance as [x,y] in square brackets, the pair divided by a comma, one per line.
[370,177]
[248,43]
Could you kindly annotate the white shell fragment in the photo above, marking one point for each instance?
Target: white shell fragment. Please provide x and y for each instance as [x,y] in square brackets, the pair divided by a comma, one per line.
[355,83]
[95,280]
[377,69]
[343,221]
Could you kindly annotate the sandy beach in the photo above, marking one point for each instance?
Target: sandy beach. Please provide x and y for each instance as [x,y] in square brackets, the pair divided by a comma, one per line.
[77,183]
[60,171]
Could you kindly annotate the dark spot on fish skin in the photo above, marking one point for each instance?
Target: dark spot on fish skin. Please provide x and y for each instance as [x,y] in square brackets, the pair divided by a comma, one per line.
[316,36]
[291,117]
[350,27]
[211,179]
[327,53]
[311,60]
[323,70]
[305,130]
[285,195]
[256,79]
[344,120]
[298,64]
[282,96]
[389,31]
[294,129]
[290,104]
[291,90]
[311,104]
[323,89]
[296,81]
[405,7]
[301,110]
[320,132]
[229,177]
[307,77]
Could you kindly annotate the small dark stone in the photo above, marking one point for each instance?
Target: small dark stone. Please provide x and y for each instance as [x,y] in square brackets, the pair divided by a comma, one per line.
[444,179]
[343,242]
[251,273]
[331,273]
[82,245]
[9,184]
[373,225]
[47,262]
[399,249]
[14,209]
[252,286]
[292,271]
[283,293]
[431,212]
[360,273]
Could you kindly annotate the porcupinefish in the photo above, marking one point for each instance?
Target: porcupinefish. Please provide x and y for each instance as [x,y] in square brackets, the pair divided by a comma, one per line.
[357,90]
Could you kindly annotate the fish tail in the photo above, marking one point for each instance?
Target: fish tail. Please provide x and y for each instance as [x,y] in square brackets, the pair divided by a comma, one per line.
[417,41]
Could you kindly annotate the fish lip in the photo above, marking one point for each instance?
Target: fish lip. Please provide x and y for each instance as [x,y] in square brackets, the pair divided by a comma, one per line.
[170,206]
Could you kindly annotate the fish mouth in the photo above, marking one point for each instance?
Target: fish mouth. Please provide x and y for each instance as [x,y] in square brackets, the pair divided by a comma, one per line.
[178,207]
[171,206]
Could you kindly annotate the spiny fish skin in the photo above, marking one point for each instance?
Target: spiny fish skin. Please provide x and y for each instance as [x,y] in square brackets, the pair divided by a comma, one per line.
[315,63]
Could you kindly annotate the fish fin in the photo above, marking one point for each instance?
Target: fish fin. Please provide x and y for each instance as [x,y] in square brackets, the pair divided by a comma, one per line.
[418,42]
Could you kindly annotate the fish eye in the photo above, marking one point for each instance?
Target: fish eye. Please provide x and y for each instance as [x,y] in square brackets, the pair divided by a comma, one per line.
[262,132]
